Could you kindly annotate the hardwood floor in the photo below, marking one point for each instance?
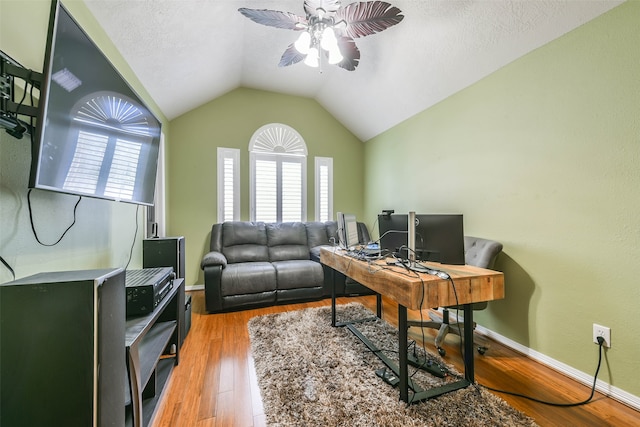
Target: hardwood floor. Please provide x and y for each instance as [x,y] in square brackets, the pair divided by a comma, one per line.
[215,383]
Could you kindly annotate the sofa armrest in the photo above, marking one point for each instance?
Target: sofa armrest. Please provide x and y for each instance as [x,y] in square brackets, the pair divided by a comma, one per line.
[314,252]
[213,258]
[212,291]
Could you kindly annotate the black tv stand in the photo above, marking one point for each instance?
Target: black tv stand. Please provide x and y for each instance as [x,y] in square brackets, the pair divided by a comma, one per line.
[153,349]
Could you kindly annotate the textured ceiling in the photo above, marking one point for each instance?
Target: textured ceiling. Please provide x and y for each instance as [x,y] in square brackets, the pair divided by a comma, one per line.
[188,52]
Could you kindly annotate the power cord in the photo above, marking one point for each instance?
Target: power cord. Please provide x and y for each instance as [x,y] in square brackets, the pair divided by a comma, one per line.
[33,227]
[560,404]
[134,238]
[6,264]
[600,340]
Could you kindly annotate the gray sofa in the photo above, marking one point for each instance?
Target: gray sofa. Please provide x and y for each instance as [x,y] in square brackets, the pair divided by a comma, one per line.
[252,264]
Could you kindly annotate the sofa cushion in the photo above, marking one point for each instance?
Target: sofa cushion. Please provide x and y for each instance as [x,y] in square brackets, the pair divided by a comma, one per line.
[244,241]
[287,241]
[248,278]
[298,274]
[316,234]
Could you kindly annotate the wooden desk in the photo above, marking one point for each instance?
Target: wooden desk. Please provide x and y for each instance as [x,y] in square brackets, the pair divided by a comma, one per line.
[468,284]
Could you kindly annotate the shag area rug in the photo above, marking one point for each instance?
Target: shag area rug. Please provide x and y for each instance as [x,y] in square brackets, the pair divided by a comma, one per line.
[311,374]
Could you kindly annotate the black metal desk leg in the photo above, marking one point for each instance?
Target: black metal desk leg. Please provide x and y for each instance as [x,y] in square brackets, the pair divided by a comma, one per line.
[333,297]
[469,373]
[402,349]
[379,305]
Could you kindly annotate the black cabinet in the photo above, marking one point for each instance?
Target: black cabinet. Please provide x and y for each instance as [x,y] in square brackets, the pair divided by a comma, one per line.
[62,360]
[153,348]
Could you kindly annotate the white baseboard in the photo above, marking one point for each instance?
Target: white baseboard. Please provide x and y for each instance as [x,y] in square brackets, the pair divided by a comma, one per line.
[584,378]
[194,288]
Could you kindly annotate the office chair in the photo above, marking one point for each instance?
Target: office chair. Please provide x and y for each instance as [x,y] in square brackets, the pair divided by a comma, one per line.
[477,252]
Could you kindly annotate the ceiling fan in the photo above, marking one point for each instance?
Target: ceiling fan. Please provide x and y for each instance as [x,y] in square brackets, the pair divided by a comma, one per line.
[328,30]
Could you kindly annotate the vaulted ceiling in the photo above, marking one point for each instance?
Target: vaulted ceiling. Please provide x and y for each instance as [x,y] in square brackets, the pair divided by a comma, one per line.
[188,52]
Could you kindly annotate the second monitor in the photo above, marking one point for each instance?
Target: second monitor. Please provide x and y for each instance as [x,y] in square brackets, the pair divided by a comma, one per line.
[347,230]
[438,237]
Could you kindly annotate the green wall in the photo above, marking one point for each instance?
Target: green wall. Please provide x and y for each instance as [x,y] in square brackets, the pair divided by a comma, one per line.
[230,121]
[104,231]
[544,156]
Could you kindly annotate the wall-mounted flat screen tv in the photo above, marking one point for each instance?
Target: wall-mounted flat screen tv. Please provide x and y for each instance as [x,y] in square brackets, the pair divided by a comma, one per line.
[95,137]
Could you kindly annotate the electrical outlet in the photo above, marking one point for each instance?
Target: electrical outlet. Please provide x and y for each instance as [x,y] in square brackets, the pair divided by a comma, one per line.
[602,331]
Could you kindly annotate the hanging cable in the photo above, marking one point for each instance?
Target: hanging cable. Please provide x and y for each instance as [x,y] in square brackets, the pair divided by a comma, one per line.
[134,239]
[33,227]
[6,264]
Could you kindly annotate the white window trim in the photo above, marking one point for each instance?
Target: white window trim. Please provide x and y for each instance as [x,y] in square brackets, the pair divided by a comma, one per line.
[328,163]
[160,205]
[234,154]
[157,213]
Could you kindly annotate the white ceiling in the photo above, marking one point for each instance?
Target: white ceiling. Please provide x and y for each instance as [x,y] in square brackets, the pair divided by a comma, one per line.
[188,52]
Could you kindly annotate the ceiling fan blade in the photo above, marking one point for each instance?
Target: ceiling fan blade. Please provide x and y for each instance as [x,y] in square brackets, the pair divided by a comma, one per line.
[350,53]
[291,56]
[370,17]
[329,6]
[275,18]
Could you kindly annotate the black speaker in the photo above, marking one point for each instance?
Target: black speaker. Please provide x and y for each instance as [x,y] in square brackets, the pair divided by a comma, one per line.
[62,351]
[168,252]
[164,252]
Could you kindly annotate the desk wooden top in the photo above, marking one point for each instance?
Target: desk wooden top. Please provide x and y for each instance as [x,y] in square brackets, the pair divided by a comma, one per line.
[415,290]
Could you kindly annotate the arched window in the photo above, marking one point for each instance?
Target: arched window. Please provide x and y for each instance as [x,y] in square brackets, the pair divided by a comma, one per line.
[278,157]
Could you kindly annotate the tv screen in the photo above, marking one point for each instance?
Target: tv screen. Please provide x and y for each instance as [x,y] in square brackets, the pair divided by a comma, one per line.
[95,137]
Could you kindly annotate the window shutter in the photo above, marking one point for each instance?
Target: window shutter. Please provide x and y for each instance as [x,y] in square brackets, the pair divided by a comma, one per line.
[266,190]
[324,188]
[324,193]
[291,191]
[228,184]
[227,189]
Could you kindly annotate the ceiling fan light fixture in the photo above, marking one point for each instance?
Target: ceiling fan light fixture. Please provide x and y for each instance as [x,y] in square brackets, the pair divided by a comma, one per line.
[313,58]
[330,27]
[303,43]
[328,39]
[329,43]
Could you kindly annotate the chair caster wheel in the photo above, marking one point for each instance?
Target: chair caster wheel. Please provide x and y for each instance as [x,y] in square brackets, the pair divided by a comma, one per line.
[441,351]
[482,350]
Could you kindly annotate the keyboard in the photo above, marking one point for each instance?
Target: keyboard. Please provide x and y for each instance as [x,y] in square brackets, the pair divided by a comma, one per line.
[363,254]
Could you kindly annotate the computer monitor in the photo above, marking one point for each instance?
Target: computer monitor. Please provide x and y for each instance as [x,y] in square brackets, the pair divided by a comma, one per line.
[439,237]
[347,230]
[392,230]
